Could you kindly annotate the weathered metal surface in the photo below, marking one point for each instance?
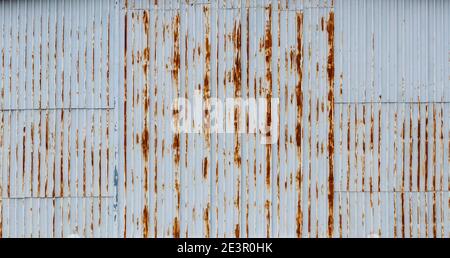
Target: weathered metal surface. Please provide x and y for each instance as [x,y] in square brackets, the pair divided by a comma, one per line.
[362,136]
[57,118]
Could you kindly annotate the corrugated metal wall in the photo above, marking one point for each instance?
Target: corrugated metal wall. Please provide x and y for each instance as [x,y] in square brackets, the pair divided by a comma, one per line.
[58,118]
[363,131]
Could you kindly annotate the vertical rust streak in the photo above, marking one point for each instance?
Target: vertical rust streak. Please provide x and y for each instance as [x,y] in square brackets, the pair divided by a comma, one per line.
[125,114]
[410,149]
[54,132]
[236,231]
[330,76]
[207,93]
[237,79]
[61,162]
[419,140]
[403,179]
[268,74]
[176,138]
[379,148]
[176,228]
[145,144]
[278,186]
[348,146]
[395,188]
[155,127]
[298,127]
[101,127]
[9,116]
[442,147]
[372,125]
[410,165]
[363,161]
[247,118]
[434,174]
[310,105]
[206,220]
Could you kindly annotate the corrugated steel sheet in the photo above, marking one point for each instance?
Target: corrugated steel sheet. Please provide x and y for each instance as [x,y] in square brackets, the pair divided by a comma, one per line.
[58,116]
[362,127]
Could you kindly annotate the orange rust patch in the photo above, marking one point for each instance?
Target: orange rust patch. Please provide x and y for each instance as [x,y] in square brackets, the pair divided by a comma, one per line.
[145,18]
[205,167]
[176,228]
[237,74]
[176,54]
[206,220]
[176,147]
[267,206]
[46,132]
[145,217]
[236,231]
[145,143]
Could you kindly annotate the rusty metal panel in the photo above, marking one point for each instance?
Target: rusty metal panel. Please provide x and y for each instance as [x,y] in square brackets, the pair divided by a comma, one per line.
[57,118]
[392,118]
[226,185]
[356,97]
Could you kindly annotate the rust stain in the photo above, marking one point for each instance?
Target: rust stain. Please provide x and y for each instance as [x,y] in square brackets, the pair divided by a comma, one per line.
[237,79]
[207,91]
[268,73]
[206,221]
[125,113]
[145,217]
[125,103]
[145,143]
[175,74]
[176,138]
[176,147]
[372,120]
[434,175]
[61,169]
[267,207]
[379,148]
[176,55]
[419,136]
[298,127]
[84,164]
[38,165]
[363,177]
[403,180]
[236,231]
[410,149]
[330,77]
[176,228]
[205,167]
